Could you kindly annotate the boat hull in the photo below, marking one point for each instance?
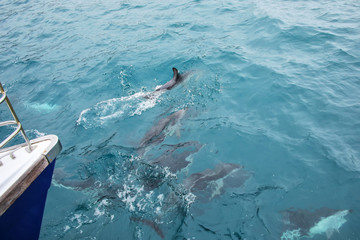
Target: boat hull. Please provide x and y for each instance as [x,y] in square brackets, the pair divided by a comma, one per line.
[22,220]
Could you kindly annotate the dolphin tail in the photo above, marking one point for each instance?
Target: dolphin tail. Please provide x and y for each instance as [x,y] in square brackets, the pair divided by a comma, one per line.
[176,74]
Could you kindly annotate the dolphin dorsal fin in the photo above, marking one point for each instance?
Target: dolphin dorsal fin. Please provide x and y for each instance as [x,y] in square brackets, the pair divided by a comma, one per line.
[176,73]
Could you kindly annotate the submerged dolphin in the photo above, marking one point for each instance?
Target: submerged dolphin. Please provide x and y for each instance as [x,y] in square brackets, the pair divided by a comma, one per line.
[177,78]
[173,160]
[175,156]
[300,223]
[157,133]
[61,178]
[212,182]
[149,223]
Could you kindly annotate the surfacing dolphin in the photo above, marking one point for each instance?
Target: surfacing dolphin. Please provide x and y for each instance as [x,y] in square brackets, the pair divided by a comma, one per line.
[301,222]
[177,78]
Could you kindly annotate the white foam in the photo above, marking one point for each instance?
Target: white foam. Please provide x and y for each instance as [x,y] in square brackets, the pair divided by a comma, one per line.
[141,205]
[106,110]
[122,75]
[39,134]
[114,115]
[143,106]
[36,132]
[160,198]
[82,117]
[98,211]
[148,195]
[189,199]
[134,158]
[77,218]
[158,210]
[168,173]
[129,196]
[291,234]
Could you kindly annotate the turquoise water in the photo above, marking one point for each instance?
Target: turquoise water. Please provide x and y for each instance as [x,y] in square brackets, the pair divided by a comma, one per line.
[274,88]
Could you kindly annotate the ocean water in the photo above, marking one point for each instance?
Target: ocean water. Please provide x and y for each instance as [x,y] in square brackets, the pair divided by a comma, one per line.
[260,141]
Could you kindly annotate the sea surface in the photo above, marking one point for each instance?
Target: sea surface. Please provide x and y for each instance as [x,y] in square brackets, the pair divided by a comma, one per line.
[260,141]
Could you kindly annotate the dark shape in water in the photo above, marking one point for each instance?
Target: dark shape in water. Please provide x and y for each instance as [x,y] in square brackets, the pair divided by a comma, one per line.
[157,133]
[153,174]
[302,222]
[69,181]
[150,176]
[151,224]
[256,193]
[212,182]
[177,78]
[175,156]
[207,229]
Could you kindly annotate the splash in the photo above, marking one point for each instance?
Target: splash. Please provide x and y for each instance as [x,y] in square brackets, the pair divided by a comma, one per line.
[100,209]
[137,199]
[291,234]
[80,219]
[35,132]
[107,110]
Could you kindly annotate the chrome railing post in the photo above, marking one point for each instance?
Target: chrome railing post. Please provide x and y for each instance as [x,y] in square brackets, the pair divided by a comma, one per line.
[16,121]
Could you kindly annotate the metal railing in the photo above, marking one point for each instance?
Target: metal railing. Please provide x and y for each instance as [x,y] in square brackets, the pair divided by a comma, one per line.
[16,122]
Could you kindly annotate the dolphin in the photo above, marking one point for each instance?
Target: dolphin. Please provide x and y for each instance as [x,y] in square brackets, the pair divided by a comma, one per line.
[63,179]
[301,222]
[173,160]
[151,224]
[157,133]
[177,78]
[175,156]
[212,182]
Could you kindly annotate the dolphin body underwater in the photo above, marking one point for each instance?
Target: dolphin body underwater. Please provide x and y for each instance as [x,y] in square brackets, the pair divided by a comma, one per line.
[157,133]
[175,156]
[303,223]
[213,182]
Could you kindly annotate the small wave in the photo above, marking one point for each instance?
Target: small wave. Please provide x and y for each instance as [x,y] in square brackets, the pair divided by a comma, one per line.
[35,133]
[104,111]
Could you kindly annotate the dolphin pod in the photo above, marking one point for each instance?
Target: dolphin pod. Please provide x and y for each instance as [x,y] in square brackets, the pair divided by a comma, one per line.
[209,183]
[205,185]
